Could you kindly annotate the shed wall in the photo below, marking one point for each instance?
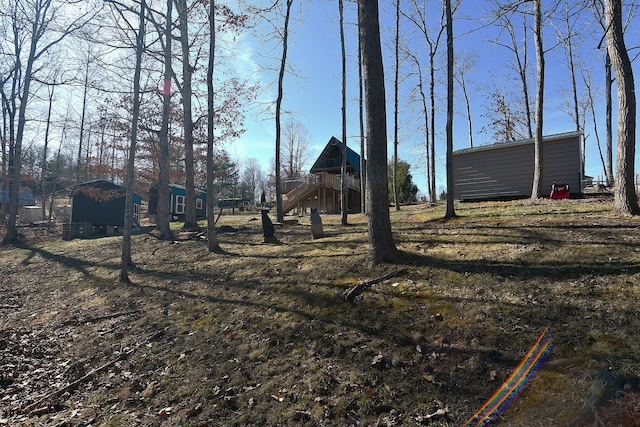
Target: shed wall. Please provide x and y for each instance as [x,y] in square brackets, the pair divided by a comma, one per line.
[506,170]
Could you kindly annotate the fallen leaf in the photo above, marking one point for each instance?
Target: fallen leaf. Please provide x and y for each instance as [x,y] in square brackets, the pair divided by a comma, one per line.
[492,375]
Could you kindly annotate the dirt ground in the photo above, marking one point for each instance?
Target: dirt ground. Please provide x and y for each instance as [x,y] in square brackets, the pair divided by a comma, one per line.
[262,336]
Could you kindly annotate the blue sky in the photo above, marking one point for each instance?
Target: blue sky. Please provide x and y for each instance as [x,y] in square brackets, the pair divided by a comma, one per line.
[312,90]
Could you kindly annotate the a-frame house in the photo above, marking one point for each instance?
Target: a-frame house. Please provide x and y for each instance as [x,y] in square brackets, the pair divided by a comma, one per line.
[321,189]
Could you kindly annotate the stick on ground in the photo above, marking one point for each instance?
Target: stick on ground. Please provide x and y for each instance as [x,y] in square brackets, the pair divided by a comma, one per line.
[354,291]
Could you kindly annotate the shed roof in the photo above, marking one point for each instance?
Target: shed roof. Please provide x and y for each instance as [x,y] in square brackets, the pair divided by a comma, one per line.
[330,160]
[103,190]
[499,145]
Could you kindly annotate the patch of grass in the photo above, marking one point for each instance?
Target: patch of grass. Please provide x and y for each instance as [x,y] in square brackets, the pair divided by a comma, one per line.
[260,335]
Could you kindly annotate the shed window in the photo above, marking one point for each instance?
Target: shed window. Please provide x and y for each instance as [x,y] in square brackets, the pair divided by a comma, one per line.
[198,203]
[180,204]
[136,213]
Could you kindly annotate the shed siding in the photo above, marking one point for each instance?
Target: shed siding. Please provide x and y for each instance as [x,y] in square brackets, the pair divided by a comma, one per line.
[506,170]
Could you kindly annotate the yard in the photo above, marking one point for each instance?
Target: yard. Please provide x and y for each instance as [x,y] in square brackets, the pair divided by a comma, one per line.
[261,335]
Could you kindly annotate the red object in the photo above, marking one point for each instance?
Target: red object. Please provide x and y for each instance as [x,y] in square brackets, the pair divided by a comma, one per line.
[559,191]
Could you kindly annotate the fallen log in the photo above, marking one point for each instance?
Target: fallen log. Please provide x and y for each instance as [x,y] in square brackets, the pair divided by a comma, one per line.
[353,292]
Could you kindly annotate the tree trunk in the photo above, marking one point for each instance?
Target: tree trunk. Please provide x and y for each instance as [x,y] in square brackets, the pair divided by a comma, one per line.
[523,76]
[450,59]
[381,245]
[625,197]
[283,64]
[125,259]
[363,169]
[82,119]
[425,113]
[15,146]
[343,169]
[609,119]
[163,214]
[432,144]
[190,222]
[538,143]
[212,236]
[396,83]
[43,171]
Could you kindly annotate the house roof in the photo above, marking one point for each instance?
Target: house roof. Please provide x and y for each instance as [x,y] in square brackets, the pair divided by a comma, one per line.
[330,160]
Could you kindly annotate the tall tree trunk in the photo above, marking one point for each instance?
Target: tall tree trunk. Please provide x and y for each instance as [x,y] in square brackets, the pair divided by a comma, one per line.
[609,119]
[212,236]
[15,146]
[163,214]
[425,113]
[125,259]
[190,222]
[283,64]
[43,171]
[523,75]
[450,59]
[432,145]
[3,141]
[343,169]
[363,169]
[82,120]
[468,107]
[381,245]
[396,83]
[625,197]
[538,144]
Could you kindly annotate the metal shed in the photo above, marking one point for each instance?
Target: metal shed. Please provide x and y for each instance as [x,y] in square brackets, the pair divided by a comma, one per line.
[505,170]
[101,203]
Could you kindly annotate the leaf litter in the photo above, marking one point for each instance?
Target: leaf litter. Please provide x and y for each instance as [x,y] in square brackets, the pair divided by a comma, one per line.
[261,335]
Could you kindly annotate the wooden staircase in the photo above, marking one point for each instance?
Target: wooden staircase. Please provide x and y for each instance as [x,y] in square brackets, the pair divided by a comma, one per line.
[310,187]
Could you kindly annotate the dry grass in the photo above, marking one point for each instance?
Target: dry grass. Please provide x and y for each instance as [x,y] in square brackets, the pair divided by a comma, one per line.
[261,336]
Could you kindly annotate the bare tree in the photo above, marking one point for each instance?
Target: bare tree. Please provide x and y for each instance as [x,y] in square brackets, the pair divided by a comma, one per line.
[625,197]
[450,213]
[212,237]
[343,167]
[418,15]
[162,217]
[253,178]
[505,13]
[40,25]
[425,115]
[591,106]
[381,245]
[538,143]
[609,117]
[463,66]
[600,13]
[396,87]
[283,64]
[190,222]
[363,169]
[125,259]
[295,148]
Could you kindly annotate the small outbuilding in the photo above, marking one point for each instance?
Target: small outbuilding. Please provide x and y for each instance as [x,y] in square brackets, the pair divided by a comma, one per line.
[25,196]
[505,170]
[101,203]
[178,201]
